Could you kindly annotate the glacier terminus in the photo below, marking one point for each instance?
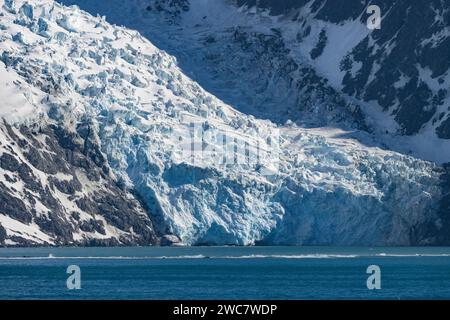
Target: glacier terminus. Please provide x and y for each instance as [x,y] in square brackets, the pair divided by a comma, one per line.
[194,129]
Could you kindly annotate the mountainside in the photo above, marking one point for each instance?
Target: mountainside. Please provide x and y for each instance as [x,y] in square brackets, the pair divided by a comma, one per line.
[403,68]
[106,139]
[315,61]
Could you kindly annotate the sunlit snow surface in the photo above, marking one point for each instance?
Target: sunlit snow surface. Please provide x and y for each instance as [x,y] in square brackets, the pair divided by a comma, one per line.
[315,188]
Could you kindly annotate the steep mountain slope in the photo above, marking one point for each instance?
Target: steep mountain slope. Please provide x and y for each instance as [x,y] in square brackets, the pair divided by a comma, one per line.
[242,62]
[402,69]
[56,187]
[105,137]
[403,66]
[315,61]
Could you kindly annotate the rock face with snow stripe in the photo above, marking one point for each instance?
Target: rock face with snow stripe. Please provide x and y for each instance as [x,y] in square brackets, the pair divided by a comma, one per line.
[402,69]
[105,137]
[56,189]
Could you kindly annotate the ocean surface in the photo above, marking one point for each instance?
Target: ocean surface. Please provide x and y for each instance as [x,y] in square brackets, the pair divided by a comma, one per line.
[225,273]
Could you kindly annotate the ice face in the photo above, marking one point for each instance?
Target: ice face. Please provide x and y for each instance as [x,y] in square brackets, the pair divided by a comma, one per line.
[206,172]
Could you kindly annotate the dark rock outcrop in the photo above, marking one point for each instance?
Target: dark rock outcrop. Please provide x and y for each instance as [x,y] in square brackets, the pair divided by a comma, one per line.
[66,159]
[403,66]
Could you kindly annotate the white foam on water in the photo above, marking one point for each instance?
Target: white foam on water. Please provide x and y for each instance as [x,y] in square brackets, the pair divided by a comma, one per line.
[250,256]
[199,256]
[414,255]
[301,256]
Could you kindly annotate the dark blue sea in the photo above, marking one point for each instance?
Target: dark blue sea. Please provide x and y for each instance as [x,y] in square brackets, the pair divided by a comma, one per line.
[225,273]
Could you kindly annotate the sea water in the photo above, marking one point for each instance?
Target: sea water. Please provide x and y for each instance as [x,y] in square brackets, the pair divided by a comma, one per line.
[225,273]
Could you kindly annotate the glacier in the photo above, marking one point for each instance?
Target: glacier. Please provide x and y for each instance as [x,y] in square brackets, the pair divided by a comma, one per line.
[257,58]
[308,186]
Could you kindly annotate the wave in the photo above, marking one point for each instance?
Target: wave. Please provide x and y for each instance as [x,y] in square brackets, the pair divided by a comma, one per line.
[199,256]
[251,256]
[51,256]
[301,256]
[413,255]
